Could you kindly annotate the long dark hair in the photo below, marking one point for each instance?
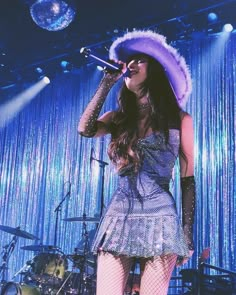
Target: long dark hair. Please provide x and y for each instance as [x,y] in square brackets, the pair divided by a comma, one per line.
[165,114]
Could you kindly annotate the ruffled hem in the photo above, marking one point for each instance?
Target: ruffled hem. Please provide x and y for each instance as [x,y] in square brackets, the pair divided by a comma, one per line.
[141,236]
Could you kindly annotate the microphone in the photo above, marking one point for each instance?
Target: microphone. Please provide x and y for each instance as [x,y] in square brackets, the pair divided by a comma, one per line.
[108,64]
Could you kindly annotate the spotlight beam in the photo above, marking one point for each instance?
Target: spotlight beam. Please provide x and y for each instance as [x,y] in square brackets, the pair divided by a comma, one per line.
[10,109]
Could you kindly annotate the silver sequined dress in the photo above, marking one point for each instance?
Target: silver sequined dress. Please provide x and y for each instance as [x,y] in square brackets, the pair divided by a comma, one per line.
[141,219]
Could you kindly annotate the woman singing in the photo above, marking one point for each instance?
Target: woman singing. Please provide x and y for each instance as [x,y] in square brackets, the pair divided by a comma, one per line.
[149,131]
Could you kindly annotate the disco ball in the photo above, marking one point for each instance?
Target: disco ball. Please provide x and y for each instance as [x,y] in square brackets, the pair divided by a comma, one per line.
[52,15]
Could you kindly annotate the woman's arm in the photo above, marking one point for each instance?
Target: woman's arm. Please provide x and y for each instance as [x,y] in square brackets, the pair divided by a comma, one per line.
[186,146]
[89,124]
[187,177]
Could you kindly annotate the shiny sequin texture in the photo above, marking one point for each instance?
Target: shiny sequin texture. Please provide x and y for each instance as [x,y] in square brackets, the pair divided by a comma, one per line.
[87,126]
[141,219]
[188,205]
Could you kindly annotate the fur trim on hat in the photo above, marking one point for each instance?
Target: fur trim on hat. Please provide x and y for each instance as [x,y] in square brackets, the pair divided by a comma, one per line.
[154,45]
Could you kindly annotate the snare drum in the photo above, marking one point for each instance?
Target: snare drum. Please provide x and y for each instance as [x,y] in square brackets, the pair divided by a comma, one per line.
[19,289]
[49,268]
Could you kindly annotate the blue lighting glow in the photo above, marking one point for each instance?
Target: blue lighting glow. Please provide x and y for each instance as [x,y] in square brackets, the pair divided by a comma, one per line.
[39,70]
[212,17]
[228,28]
[66,66]
[64,63]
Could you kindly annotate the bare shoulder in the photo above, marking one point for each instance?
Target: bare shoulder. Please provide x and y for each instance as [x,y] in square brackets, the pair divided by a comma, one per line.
[184,115]
[187,145]
[186,120]
[187,132]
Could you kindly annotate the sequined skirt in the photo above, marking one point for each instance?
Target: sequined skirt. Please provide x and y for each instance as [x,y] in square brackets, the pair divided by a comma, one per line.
[145,227]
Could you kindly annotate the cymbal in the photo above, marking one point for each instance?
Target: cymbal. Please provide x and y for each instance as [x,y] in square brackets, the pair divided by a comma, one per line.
[40,248]
[83,219]
[18,232]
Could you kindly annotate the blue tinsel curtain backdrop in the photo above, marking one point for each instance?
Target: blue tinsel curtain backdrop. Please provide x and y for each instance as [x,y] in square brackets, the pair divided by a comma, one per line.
[41,153]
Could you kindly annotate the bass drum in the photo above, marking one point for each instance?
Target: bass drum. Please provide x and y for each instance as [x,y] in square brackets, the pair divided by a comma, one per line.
[49,269]
[19,289]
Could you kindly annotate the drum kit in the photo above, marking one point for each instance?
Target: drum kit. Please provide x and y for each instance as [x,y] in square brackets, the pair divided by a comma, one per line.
[48,272]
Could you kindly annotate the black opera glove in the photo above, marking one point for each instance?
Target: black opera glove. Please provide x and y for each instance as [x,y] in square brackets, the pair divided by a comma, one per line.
[188,208]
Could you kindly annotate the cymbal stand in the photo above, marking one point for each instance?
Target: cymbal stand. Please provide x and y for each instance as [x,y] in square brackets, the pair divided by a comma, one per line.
[24,268]
[83,276]
[6,254]
[67,279]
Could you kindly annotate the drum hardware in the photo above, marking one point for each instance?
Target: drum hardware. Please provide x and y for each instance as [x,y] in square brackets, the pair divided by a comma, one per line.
[9,248]
[80,282]
[72,283]
[80,258]
[48,269]
[64,283]
[83,283]
[24,270]
[6,254]
[102,165]
[58,209]
[20,289]
[133,282]
[41,248]
[18,232]
[83,219]
[76,259]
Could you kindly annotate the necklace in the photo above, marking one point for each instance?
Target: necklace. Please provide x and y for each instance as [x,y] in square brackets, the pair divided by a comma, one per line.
[143,106]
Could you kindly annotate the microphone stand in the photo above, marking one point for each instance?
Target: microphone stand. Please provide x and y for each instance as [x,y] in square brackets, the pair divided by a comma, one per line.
[102,165]
[57,210]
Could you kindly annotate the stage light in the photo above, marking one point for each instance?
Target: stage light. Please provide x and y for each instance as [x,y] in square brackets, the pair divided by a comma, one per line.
[39,70]
[66,66]
[52,15]
[100,68]
[2,59]
[46,80]
[40,73]
[212,17]
[228,28]
[11,108]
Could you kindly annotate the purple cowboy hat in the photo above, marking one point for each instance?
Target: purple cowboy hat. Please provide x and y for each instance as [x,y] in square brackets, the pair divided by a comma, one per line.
[154,45]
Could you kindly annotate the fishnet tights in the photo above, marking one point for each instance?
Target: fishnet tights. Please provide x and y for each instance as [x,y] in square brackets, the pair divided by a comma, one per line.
[113,271]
